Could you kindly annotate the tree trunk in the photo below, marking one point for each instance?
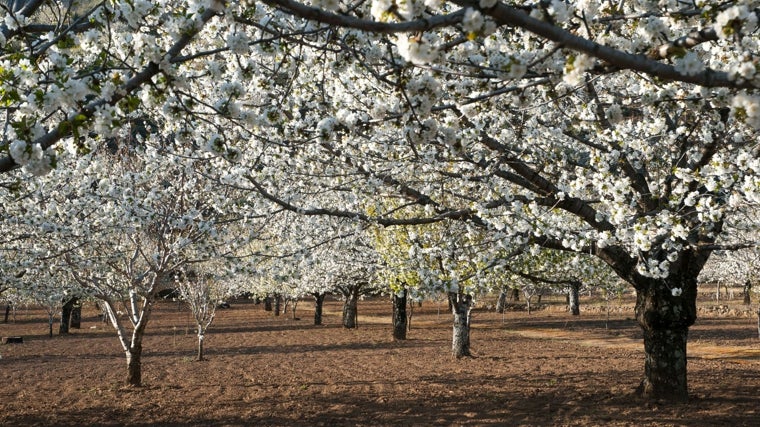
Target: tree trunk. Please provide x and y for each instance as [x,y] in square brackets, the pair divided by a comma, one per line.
[350,311]
[51,320]
[747,292]
[461,308]
[66,309]
[319,299]
[665,309]
[134,366]
[7,312]
[399,315]
[515,294]
[501,302]
[268,303]
[201,337]
[277,301]
[574,298]
[76,316]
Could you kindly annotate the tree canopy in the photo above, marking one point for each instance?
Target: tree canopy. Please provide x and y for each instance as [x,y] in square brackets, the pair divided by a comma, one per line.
[624,130]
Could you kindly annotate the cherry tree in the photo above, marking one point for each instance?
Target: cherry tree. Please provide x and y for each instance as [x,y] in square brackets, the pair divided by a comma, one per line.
[560,271]
[445,257]
[127,225]
[622,131]
[203,293]
[482,120]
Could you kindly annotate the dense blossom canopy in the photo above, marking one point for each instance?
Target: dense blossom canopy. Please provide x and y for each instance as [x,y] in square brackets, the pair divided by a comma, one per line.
[577,125]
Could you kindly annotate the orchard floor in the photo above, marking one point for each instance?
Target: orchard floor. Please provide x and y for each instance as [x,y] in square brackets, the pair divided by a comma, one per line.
[546,369]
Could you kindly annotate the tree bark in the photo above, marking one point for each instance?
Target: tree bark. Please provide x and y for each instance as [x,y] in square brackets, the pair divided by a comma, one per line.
[7,312]
[277,304]
[319,299]
[461,308]
[76,316]
[268,303]
[574,298]
[134,366]
[747,292]
[501,303]
[665,309]
[350,310]
[515,294]
[51,320]
[399,315]
[201,337]
[66,309]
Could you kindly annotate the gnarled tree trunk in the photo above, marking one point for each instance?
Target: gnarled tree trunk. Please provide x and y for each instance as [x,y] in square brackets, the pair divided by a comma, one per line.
[665,309]
[399,315]
[461,307]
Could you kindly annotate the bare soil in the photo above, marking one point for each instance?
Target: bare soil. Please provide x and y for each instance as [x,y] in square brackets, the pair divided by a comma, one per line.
[547,368]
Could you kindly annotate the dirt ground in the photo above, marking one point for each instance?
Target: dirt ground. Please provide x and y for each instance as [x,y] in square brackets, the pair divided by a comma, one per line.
[546,369]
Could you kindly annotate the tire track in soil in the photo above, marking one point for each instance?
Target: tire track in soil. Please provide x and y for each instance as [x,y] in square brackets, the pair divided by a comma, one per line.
[696,350]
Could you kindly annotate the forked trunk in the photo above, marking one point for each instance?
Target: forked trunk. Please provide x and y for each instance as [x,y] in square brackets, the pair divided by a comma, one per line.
[665,309]
[319,299]
[399,315]
[461,307]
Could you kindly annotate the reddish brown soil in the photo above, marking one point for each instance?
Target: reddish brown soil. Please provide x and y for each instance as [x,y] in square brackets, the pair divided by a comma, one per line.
[544,369]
